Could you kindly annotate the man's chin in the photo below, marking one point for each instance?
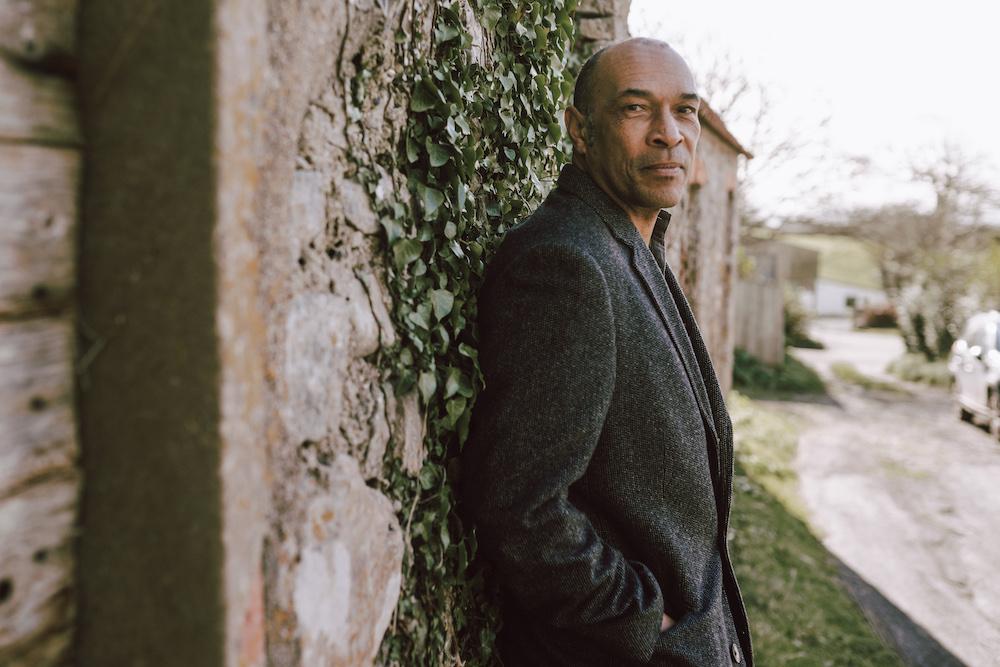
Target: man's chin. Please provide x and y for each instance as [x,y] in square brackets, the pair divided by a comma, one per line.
[665,199]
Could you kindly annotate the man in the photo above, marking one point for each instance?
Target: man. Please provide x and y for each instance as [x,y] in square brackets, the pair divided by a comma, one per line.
[599,466]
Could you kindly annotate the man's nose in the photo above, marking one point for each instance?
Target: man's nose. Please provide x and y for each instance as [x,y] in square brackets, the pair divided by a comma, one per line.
[666,131]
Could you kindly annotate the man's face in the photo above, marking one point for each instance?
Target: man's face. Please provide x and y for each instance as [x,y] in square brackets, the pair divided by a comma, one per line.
[640,140]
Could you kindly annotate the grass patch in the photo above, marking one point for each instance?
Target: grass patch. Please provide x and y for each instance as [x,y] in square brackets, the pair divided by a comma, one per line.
[916,368]
[766,442]
[799,613]
[848,373]
[804,342]
[753,376]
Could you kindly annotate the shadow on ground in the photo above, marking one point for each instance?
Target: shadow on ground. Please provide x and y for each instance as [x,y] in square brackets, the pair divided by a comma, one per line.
[914,645]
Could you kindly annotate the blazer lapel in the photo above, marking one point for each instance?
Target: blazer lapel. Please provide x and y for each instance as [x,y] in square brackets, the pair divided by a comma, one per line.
[653,281]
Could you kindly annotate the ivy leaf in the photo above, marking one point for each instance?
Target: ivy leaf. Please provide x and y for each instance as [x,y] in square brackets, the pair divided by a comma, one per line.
[412,150]
[405,251]
[432,199]
[455,407]
[445,33]
[421,317]
[426,482]
[438,153]
[507,81]
[425,96]
[393,230]
[442,300]
[491,16]
[428,385]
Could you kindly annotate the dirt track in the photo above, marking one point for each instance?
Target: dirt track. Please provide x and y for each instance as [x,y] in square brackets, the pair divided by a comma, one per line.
[906,495]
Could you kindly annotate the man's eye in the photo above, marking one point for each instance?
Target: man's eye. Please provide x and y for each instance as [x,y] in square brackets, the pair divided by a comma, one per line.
[687,110]
[633,107]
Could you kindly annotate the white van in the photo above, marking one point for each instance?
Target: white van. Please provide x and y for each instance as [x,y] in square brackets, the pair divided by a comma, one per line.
[975,367]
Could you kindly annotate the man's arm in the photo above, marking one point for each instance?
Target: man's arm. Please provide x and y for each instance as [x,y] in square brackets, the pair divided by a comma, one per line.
[547,349]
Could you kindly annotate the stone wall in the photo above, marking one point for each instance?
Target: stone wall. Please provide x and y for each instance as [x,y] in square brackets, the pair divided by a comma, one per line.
[701,246]
[39,472]
[333,544]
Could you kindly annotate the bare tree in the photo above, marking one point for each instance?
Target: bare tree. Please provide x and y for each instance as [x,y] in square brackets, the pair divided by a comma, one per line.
[932,262]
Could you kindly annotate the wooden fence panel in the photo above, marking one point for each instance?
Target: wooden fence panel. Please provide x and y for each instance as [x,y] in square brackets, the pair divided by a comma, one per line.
[760,320]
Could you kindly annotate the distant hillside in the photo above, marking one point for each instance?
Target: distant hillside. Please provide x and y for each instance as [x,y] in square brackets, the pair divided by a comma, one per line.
[841,258]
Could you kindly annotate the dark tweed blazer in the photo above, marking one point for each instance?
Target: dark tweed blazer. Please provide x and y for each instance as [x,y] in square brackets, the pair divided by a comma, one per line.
[599,465]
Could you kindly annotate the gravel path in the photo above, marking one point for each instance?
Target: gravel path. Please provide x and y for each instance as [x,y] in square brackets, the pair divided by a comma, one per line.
[905,494]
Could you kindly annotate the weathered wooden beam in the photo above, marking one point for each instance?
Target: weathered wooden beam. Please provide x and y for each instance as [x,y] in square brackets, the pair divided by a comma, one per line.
[38,214]
[39,32]
[36,570]
[36,378]
[39,485]
[36,107]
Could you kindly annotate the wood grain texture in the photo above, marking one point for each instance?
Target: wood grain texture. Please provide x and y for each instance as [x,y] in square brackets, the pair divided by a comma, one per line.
[36,570]
[38,31]
[39,484]
[37,438]
[38,214]
[36,107]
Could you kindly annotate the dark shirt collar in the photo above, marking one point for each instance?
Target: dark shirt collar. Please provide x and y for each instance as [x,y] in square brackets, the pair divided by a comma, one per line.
[577,181]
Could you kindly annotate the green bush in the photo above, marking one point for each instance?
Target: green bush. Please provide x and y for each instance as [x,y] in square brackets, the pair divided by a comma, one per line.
[792,376]
[916,368]
[797,324]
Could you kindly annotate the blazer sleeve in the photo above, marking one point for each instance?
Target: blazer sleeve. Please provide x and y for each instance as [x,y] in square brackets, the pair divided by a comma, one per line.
[547,351]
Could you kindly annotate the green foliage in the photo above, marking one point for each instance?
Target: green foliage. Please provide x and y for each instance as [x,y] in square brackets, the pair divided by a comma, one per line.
[797,323]
[791,377]
[481,143]
[799,612]
[916,368]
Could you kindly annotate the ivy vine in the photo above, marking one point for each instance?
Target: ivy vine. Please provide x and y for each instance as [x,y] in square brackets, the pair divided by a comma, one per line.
[481,146]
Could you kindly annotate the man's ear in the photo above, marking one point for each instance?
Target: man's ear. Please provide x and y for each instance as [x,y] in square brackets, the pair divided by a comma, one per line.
[576,126]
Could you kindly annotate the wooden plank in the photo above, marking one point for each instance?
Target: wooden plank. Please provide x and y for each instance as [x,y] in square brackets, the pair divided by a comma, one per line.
[36,107]
[38,217]
[39,486]
[36,571]
[37,434]
[38,31]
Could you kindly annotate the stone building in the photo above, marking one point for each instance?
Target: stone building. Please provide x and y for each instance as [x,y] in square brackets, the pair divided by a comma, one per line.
[191,324]
[703,235]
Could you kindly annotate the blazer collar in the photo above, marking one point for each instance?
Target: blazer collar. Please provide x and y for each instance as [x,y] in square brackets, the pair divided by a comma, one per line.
[577,181]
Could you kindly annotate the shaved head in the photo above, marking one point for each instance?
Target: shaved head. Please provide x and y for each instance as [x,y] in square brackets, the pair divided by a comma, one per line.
[583,91]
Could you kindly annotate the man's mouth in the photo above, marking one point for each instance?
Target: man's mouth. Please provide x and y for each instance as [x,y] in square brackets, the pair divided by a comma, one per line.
[665,168]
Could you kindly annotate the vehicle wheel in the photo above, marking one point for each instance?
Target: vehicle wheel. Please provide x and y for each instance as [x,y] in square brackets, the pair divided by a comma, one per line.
[963,414]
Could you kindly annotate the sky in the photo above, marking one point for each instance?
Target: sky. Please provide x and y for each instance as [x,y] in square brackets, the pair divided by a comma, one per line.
[895,81]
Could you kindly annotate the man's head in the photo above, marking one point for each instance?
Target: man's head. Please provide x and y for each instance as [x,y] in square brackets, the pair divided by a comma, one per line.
[634,124]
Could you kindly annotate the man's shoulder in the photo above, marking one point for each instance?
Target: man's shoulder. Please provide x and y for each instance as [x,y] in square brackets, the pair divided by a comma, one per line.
[564,223]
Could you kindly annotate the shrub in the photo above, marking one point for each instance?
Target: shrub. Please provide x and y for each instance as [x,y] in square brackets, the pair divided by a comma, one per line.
[792,376]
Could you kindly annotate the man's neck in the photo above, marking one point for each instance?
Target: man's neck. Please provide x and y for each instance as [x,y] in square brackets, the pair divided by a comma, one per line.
[643,219]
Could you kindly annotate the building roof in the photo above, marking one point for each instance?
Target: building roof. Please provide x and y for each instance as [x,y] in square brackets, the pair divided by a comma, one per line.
[714,121]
